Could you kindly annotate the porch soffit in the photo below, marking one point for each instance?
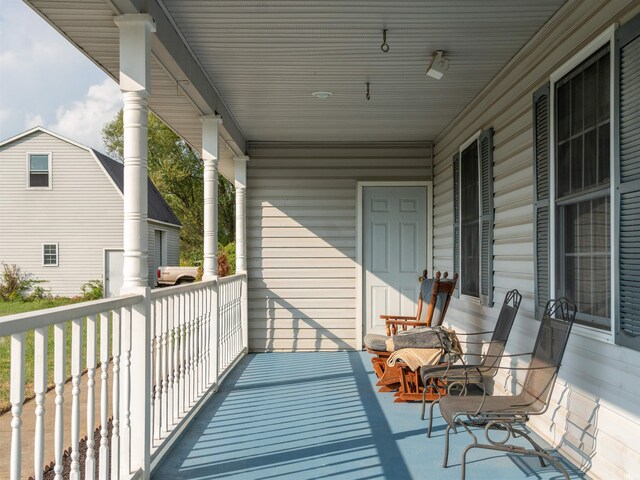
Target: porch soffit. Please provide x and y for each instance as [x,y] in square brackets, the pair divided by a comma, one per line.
[257,62]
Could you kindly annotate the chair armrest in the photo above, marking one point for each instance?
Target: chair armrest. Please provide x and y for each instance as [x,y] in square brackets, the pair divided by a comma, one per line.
[392,324]
[499,356]
[397,317]
[473,333]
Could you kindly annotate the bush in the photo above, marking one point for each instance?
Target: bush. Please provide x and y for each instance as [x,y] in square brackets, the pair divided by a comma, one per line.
[16,285]
[224,268]
[230,251]
[92,290]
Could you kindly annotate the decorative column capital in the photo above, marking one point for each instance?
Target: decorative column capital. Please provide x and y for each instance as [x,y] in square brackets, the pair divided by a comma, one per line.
[241,158]
[135,19]
[213,118]
[135,51]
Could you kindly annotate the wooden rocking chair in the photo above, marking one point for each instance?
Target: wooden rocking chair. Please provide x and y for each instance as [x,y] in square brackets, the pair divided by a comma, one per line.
[438,292]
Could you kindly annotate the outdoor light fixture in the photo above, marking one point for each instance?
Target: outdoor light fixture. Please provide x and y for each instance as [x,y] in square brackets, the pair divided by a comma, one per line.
[322,95]
[438,66]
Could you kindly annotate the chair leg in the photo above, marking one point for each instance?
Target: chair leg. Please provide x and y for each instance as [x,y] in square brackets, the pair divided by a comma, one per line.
[513,449]
[431,417]
[446,446]
[537,447]
[424,403]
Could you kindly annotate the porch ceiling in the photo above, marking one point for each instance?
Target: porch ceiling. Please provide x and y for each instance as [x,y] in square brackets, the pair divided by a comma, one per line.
[267,57]
[257,62]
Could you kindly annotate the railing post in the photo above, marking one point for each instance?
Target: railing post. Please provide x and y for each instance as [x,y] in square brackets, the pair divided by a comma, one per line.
[140,398]
[214,335]
[240,163]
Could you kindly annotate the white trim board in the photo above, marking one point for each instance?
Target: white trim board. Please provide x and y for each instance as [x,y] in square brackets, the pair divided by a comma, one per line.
[428,184]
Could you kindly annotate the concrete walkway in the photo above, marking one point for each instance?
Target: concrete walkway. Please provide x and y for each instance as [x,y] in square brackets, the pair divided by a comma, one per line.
[28,425]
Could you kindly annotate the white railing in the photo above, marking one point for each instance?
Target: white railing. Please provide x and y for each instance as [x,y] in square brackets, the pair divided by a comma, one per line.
[182,346]
[230,325]
[159,356]
[85,322]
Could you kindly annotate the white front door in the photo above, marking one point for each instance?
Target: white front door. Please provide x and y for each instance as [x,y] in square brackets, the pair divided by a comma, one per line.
[394,251]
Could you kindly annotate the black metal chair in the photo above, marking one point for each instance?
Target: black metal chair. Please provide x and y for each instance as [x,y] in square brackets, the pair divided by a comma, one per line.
[511,413]
[461,374]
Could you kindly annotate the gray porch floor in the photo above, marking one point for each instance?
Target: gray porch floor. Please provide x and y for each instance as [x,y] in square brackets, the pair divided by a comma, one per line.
[319,415]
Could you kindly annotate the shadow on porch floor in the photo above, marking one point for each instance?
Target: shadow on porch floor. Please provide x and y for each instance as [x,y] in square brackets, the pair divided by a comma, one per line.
[318,415]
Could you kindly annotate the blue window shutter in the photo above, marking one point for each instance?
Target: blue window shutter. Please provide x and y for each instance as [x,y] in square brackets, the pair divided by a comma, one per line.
[541,148]
[485,147]
[627,183]
[456,219]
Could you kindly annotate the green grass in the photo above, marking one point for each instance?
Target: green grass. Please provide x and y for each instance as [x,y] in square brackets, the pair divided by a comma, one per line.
[8,308]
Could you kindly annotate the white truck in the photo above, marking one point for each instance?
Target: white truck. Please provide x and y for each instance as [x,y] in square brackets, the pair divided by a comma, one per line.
[168,276]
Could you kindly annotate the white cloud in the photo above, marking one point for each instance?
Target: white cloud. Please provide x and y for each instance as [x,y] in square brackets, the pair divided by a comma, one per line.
[84,119]
[33,120]
[5,113]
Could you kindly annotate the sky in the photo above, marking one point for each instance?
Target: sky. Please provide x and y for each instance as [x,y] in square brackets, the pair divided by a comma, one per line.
[46,81]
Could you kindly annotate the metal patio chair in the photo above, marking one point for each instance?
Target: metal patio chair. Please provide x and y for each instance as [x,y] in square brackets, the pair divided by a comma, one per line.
[511,413]
[462,374]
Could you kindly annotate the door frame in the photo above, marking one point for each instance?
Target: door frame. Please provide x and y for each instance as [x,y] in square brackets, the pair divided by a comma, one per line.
[428,184]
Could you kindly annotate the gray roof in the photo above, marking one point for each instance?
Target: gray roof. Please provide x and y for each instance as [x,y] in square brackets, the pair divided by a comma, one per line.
[159,210]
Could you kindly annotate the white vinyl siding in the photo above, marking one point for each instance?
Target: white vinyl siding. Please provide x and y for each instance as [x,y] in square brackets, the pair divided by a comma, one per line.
[596,396]
[83,214]
[301,238]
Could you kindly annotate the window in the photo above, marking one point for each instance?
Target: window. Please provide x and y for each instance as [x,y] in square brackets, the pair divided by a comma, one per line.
[582,189]
[50,254]
[473,217]
[39,165]
[587,220]
[469,221]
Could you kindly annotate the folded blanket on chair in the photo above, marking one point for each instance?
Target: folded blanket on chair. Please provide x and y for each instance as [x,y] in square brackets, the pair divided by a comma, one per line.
[416,357]
[424,337]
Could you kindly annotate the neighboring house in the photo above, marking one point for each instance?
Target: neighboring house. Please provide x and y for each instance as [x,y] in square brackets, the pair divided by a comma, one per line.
[61,213]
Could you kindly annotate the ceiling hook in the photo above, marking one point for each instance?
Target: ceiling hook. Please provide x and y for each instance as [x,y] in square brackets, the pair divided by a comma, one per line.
[385,46]
[368,92]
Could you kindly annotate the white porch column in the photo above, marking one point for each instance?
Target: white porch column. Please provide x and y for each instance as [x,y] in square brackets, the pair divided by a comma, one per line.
[135,84]
[241,223]
[241,240]
[210,157]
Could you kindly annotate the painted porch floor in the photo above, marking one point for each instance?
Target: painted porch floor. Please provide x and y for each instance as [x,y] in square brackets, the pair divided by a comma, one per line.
[318,415]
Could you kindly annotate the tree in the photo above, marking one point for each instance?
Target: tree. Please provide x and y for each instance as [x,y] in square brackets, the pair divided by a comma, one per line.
[177,171]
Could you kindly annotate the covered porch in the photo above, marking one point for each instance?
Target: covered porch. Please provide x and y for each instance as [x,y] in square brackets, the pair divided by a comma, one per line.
[303,109]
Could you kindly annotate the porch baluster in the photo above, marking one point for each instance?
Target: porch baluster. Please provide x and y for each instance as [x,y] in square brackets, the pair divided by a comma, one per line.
[40,389]
[115,434]
[165,386]
[156,313]
[183,354]
[90,461]
[59,377]
[16,398]
[76,371]
[104,394]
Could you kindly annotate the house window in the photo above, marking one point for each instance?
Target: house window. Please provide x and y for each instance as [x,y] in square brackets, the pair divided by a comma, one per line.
[39,165]
[473,217]
[469,221]
[582,188]
[50,254]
